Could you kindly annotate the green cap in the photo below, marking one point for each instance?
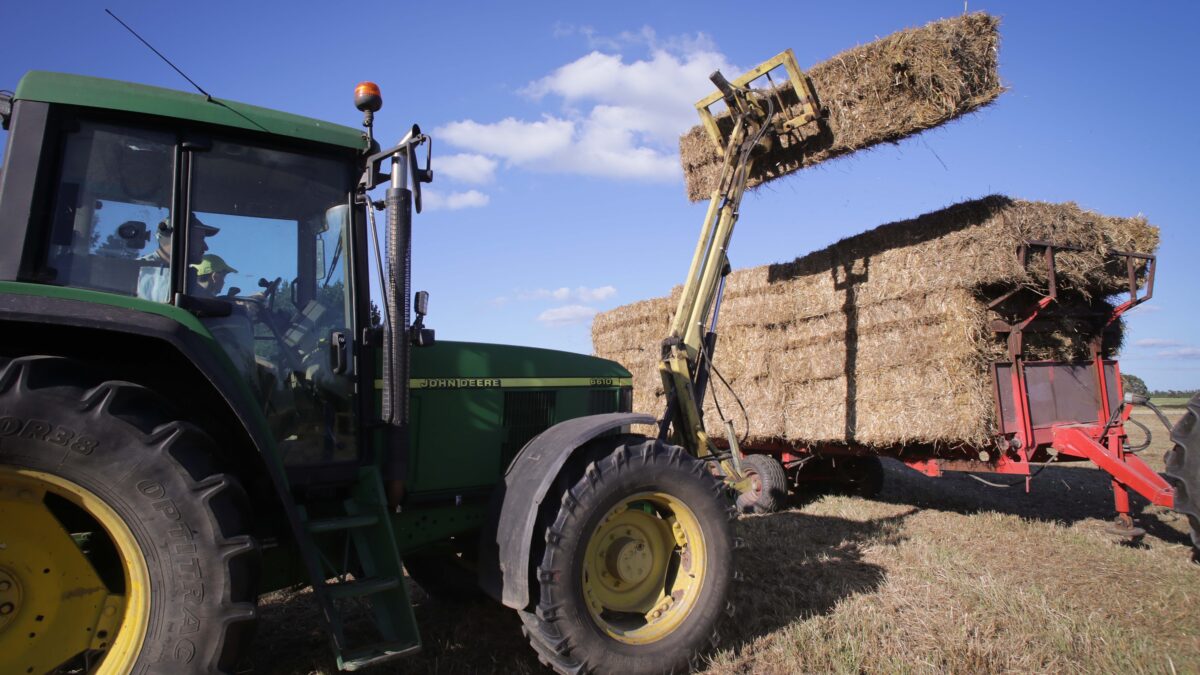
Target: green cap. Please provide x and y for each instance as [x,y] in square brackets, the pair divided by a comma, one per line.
[212,264]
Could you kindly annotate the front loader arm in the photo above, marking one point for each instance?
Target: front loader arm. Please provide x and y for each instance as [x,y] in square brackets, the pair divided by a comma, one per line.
[687,351]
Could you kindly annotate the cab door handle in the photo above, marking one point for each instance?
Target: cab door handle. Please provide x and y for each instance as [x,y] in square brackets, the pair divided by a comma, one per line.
[338,359]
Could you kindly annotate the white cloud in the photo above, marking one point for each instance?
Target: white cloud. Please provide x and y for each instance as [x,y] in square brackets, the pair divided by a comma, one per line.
[618,118]
[1157,342]
[1183,353]
[467,168]
[567,315]
[595,294]
[655,96]
[453,201]
[511,139]
[563,294]
[644,37]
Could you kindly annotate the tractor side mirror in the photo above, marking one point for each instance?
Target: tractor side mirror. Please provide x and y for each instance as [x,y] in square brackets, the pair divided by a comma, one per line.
[421,303]
[420,335]
[134,232]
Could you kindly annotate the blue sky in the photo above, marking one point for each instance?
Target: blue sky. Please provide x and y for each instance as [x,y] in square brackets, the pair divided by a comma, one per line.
[558,191]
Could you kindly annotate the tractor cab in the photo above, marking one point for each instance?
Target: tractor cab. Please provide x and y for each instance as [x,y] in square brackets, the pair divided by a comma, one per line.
[249,233]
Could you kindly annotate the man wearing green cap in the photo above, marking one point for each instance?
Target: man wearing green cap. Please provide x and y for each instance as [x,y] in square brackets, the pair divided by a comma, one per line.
[210,275]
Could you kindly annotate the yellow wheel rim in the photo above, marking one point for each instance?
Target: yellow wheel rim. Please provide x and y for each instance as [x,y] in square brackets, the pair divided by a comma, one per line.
[74,587]
[643,568]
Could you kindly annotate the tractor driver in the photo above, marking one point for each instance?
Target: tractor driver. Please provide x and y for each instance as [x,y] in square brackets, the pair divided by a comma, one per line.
[210,275]
[154,278]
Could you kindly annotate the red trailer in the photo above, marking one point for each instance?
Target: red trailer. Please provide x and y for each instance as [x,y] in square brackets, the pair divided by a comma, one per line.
[1046,411]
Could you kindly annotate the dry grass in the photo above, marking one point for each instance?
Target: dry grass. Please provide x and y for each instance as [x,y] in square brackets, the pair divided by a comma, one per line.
[876,93]
[936,575]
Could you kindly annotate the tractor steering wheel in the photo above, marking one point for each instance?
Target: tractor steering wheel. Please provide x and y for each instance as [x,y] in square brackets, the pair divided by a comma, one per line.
[270,289]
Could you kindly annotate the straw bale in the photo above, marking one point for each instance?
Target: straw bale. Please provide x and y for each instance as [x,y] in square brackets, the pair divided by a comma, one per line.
[884,338]
[876,93]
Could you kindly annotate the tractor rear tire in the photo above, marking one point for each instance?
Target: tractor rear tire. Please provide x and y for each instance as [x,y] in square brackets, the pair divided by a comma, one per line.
[769,485]
[1183,467]
[127,496]
[636,564]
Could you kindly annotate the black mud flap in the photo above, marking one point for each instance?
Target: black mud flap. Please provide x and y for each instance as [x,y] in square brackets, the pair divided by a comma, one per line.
[507,536]
[1183,466]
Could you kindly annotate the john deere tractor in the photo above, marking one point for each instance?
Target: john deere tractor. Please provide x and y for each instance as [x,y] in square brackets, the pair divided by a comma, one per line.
[200,404]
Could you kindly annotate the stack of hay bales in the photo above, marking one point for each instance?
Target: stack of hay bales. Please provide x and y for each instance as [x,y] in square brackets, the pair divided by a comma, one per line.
[884,338]
[875,93]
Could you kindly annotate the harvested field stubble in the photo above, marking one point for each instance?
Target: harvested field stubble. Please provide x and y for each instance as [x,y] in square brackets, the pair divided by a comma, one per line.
[883,338]
[876,93]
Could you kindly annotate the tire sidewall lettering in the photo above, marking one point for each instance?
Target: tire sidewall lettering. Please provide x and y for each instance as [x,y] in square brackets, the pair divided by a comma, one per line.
[184,651]
[10,425]
[180,554]
[44,431]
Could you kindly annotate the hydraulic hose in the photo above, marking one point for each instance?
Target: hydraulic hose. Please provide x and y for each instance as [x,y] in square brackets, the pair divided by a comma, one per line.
[399,208]
[396,342]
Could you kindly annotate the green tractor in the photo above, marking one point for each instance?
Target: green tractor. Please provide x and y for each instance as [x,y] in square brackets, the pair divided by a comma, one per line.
[173,446]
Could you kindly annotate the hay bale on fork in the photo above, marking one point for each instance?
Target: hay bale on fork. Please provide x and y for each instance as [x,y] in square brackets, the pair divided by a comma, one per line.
[876,93]
[884,338]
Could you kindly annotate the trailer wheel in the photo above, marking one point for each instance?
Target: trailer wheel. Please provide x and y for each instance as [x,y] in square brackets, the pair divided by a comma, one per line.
[863,476]
[769,485]
[122,549]
[636,564]
[1183,467]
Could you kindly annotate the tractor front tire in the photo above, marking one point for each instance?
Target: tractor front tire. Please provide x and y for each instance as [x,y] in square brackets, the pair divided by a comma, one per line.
[122,547]
[636,564]
[769,485]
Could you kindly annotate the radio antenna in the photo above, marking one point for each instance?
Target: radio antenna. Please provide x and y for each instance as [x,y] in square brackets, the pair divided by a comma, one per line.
[143,40]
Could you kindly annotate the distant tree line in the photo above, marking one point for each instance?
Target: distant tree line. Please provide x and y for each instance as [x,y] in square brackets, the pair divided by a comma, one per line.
[1132,384]
[1175,393]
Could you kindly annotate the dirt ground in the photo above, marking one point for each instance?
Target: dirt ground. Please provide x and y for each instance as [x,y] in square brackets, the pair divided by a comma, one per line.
[934,575]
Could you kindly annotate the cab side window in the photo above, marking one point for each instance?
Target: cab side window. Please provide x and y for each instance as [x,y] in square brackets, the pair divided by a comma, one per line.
[277,224]
[112,194]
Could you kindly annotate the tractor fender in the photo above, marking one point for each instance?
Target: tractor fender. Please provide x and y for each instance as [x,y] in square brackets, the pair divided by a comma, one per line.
[67,314]
[506,541]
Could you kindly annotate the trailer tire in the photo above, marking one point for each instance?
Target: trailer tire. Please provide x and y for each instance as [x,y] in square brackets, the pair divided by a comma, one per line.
[863,475]
[165,532]
[769,485]
[1183,467]
[643,519]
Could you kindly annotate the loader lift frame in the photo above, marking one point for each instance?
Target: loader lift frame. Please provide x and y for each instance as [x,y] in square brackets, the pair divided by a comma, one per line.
[758,120]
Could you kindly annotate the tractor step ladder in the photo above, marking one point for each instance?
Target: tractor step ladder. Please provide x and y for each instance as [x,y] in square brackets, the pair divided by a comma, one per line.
[363,532]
